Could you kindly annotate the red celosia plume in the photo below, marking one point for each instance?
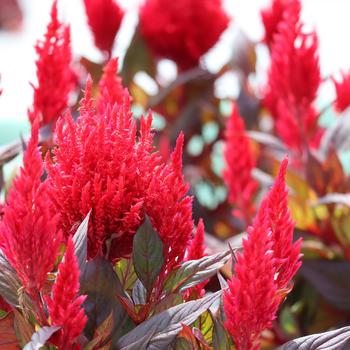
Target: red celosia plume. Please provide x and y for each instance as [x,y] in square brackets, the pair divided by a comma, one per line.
[342,89]
[28,231]
[56,78]
[273,16]
[104,163]
[195,251]
[294,79]
[263,270]
[104,18]
[169,207]
[182,30]
[240,162]
[100,164]
[251,302]
[65,304]
[110,87]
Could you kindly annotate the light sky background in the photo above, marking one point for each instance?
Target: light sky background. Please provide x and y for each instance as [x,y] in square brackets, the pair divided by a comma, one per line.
[17,55]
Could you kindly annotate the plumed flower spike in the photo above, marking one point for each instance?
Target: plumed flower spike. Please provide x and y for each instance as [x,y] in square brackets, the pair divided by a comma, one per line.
[342,89]
[65,304]
[251,302]
[169,207]
[263,270]
[290,93]
[110,87]
[182,30]
[28,230]
[105,163]
[196,251]
[286,253]
[273,16]
[56,78]
[104,18]
[239,163]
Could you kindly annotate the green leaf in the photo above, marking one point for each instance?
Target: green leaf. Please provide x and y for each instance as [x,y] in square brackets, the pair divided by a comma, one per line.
[9,283]
[332,340]
[80,239]
[139,293]
[101,285]
[40,338]
[220,338]
[125,271]
[147,254]
[167,302]
[23,329]
[164,327]
[194,272]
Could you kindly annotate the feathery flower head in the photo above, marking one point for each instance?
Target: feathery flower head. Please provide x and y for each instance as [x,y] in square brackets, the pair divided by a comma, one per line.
[263,270]
[65,305]
[293,80]
[56,78]
[28,231]
[273,16]
[182,30]
[342,89]
[169,207]
[110,87]
[104,18]
[286,253]
[240,162]
[196,251]
[251,302]
[104,163]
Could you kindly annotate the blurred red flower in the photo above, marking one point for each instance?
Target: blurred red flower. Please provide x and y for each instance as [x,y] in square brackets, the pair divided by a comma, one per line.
[104,18]
[182,30]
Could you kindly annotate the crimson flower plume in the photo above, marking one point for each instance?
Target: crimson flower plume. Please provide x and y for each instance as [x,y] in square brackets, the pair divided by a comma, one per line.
[293,81]
[342,89]
[272,17]
[182,30]
[65,304]
[263,271]
[104,162]
[28,231]
[104,18]
[110,87]
[240,162]
[56,78]
[196,251]
[251,302]
[169,206]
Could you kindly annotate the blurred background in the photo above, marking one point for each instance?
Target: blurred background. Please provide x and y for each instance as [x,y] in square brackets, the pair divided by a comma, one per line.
[20,28]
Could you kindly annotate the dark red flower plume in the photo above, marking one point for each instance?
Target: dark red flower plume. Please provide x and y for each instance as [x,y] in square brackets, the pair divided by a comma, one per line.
[104,18]
[182,30]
